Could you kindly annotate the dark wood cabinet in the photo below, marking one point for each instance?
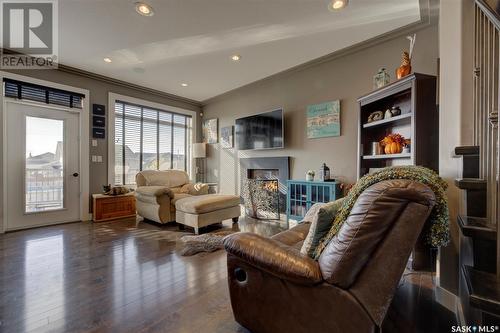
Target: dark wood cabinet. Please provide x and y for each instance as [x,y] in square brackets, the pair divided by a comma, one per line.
[415,95]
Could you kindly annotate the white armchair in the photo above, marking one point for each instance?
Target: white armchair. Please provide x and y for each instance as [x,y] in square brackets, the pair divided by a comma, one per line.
[158,191]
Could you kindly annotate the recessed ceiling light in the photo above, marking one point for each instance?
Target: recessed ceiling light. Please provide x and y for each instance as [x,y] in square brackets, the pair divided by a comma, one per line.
[144,9]
[236,57]
[184,84]
[108,60]
[337,5]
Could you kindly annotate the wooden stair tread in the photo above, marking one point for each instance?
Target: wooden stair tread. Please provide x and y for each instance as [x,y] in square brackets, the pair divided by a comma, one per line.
[477,227]
[466,150]
[471,183]
[484,289]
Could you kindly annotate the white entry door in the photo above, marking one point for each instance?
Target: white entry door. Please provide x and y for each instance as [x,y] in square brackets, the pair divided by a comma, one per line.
[42,166]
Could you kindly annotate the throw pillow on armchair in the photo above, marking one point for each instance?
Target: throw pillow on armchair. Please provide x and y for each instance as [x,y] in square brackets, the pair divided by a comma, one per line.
[321,216]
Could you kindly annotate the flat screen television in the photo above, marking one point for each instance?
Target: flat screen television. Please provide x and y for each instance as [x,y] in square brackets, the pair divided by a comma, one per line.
[260,131]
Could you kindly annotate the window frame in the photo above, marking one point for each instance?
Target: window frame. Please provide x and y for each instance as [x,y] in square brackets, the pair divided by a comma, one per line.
[114,98]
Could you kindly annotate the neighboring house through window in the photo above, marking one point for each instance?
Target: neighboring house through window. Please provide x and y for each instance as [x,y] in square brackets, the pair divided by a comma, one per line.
[149,139]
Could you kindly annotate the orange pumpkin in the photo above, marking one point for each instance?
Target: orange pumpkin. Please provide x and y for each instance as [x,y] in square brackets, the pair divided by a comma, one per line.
[393,148]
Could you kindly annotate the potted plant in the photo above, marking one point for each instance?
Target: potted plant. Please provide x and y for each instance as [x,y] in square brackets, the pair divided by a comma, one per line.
[310,175]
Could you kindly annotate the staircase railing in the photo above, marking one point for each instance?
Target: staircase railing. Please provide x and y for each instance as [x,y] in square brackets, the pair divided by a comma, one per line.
[485,99]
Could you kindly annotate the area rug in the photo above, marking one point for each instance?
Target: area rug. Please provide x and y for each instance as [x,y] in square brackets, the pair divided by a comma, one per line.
[210,242]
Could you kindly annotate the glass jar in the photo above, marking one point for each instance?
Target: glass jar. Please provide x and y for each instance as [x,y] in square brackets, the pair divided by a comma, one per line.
[381,79]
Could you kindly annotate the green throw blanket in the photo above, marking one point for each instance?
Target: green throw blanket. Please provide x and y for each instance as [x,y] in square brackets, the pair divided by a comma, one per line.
[438,231]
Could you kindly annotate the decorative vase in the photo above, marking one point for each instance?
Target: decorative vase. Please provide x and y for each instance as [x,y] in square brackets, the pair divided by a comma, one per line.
[376,148]
[309,177]
[405,68]
[387,114]
[381,79]
[396,111]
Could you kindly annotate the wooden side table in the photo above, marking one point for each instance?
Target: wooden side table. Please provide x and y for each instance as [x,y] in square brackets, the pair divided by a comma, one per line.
[111,207]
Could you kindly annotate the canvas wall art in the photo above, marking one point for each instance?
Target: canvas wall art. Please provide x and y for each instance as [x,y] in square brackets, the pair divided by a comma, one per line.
[227,137]
[210,129]
[323,120]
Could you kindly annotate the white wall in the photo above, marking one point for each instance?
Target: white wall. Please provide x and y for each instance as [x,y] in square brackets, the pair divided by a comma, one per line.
[455,52]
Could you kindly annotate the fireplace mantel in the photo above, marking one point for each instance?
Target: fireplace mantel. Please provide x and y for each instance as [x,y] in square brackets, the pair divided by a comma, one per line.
[282,164]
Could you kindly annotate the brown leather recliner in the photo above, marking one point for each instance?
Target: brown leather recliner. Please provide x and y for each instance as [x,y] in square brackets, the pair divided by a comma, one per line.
[274,288]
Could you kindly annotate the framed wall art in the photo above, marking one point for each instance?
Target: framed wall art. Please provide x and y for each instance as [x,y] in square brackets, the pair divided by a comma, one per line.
[227,137]
[323,120]
[210,129]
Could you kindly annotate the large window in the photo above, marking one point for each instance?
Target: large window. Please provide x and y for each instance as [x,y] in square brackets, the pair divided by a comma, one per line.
[149,139]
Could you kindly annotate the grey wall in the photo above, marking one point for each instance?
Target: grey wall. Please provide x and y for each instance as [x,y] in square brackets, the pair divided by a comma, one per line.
[99,90]
[345,78]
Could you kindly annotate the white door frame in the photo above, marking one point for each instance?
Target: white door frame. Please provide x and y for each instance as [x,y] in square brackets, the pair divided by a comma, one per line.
[112,98]
[83,142]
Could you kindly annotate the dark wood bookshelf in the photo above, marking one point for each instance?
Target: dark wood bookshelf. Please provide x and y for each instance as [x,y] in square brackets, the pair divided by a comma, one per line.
[415,95]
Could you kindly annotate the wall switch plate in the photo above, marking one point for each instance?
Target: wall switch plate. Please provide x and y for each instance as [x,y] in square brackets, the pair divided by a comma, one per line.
[94,158]
[99,159]
[94,143]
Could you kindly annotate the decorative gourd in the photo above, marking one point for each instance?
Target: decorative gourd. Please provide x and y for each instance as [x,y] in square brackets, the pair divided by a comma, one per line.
[393,144]
[393,148]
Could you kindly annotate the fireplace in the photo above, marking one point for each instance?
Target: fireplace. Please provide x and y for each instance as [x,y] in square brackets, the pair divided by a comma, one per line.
[263,173]
[263,186]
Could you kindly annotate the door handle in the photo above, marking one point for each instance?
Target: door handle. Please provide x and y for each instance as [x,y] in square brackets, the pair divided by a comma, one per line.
[75,174]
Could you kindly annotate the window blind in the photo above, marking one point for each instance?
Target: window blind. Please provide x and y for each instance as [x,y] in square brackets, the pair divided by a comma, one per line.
[42,94]
[149,139]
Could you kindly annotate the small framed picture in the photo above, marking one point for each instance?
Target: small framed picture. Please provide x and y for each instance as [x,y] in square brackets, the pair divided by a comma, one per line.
[98,121]
[98,109]
[98,133]
[227,137]
[210,129]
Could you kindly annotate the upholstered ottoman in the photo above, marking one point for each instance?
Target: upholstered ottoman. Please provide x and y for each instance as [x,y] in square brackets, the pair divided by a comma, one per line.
[202,210]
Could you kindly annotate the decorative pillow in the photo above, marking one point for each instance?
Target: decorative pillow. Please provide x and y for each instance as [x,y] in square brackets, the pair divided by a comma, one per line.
[194,189]
[320,225]
[312,213]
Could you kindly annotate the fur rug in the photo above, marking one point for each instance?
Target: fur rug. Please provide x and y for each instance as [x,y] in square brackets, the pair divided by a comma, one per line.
[209,242]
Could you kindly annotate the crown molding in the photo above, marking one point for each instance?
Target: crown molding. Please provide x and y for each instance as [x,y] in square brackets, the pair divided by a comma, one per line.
[429,15]
[107,79]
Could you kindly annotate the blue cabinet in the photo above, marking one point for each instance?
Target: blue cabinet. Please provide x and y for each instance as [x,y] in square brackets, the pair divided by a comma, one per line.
[301,195]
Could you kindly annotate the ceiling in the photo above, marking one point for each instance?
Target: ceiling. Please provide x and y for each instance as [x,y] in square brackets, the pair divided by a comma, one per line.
[192,41]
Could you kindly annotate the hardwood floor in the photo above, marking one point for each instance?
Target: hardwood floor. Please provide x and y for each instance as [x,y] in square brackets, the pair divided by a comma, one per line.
[125,276]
